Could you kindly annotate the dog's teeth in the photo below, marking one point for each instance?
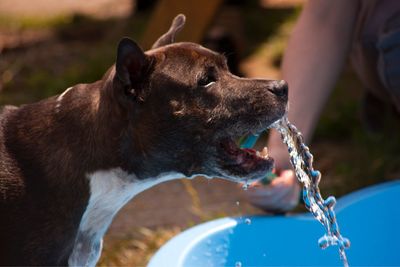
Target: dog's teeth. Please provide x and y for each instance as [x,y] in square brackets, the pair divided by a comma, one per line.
[264,152]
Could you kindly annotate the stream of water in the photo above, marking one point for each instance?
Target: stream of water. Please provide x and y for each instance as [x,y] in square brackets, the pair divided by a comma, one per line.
[322,209]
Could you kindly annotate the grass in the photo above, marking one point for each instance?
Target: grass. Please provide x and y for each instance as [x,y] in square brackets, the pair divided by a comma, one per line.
[137,248]
[40,83]
[264,24]
[41,74]
[28,22]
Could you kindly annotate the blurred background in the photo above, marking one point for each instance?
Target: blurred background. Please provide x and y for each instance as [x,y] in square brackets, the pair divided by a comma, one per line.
[47,46]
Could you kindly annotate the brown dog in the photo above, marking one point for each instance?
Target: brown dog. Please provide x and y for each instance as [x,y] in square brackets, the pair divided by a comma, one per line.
[70,162]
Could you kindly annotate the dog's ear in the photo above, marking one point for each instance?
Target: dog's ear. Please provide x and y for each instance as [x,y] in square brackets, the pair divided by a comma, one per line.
[169,36]
[131,67]
[130,63]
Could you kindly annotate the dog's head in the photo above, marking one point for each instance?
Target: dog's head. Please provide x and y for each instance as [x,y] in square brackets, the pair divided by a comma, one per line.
[185,110]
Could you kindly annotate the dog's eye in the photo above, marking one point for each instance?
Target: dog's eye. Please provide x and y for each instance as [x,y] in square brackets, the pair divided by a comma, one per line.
[207,80]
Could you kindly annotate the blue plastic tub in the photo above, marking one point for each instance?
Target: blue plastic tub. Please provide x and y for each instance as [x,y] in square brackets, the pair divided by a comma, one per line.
[370,218]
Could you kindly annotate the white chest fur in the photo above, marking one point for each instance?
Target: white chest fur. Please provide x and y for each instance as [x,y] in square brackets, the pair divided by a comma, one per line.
[109,191]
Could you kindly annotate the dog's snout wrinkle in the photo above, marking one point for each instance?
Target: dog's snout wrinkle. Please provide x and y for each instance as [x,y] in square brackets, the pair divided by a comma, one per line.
[279,88]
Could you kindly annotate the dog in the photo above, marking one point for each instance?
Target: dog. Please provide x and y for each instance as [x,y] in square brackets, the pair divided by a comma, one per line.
[70,162]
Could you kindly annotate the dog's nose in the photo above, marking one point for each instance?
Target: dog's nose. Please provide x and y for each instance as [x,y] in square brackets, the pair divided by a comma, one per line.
[279,88]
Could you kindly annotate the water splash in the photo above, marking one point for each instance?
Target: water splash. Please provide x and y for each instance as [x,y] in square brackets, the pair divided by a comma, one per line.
[322,209]
[245,185]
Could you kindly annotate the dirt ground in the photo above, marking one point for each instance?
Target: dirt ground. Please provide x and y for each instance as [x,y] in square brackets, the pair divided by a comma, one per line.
[174,204]
[46,8]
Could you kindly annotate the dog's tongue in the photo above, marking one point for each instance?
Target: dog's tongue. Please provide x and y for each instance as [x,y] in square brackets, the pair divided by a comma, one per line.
[246,157]
[245,154]
[250,150]
[244,163]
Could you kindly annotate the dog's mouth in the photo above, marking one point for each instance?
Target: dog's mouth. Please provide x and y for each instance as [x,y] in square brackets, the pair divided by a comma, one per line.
[242,163]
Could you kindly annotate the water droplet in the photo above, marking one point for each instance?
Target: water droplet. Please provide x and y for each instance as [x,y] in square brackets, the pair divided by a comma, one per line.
[330,202]
[219,249]
[247,221]
[238,264]
[323,242]
[207,254]
[346,242]
[326,241]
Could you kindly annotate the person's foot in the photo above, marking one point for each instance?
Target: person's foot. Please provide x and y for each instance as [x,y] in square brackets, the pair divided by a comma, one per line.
[280,196]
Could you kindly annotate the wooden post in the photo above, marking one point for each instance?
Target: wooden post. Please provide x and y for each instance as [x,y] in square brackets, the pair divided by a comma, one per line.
[199,15]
